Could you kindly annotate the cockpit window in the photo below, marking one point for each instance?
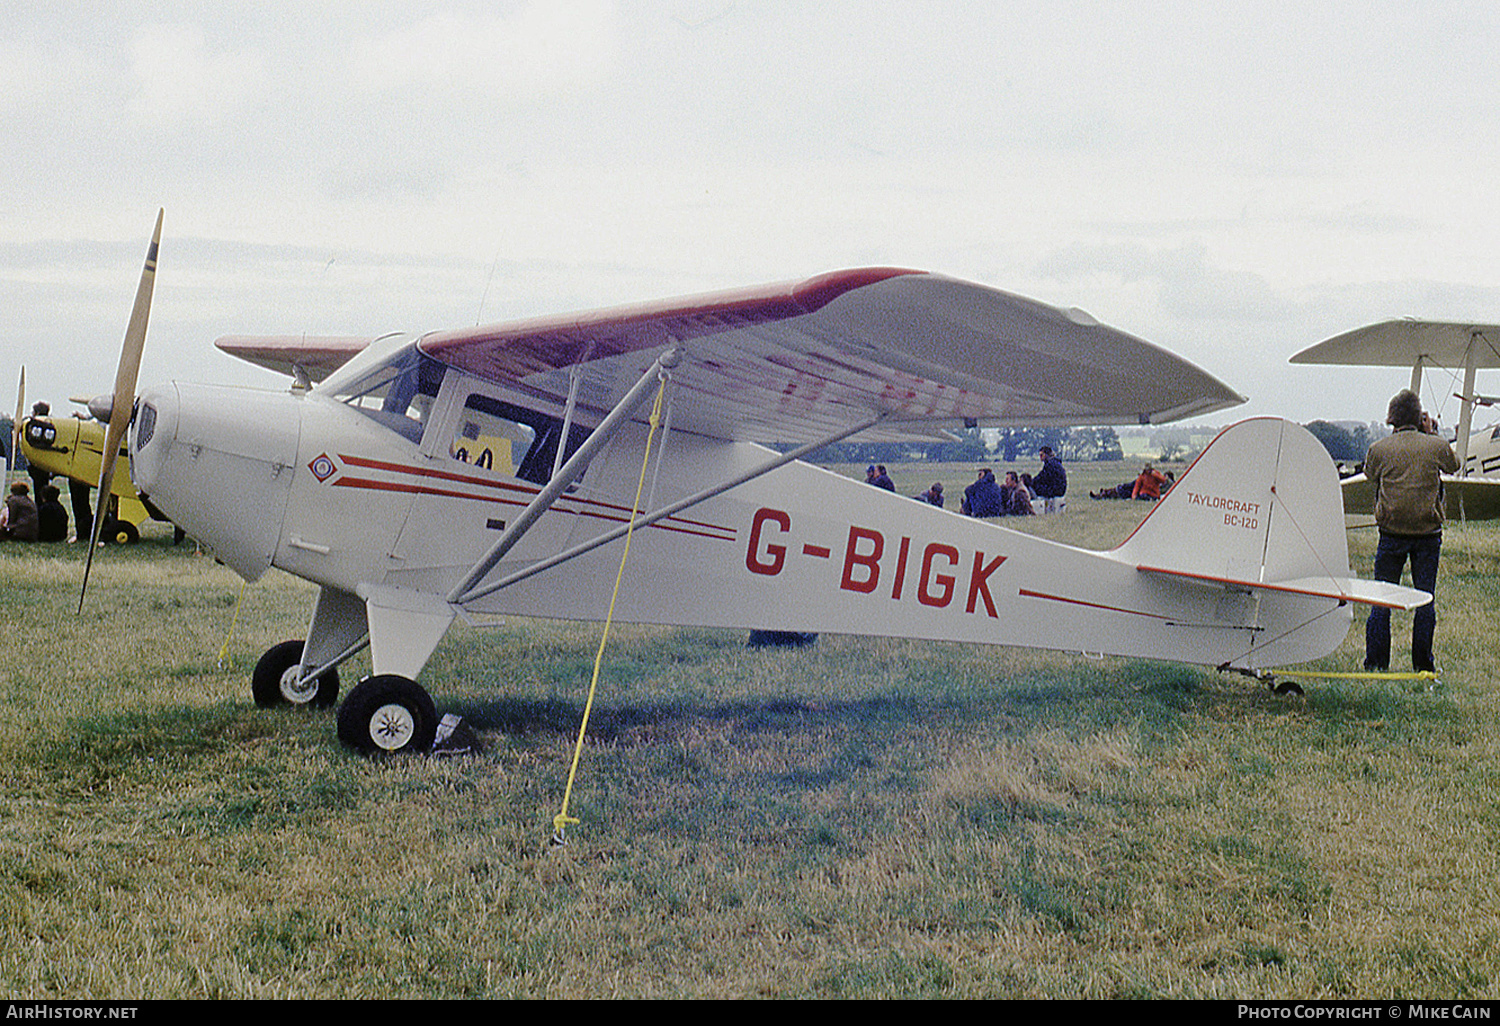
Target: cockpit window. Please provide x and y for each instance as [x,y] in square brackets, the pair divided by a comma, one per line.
[398,392]
[510,439]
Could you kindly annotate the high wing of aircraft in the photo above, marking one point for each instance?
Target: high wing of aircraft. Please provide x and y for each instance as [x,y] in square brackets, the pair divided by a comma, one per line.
[495,470]
[1473,493]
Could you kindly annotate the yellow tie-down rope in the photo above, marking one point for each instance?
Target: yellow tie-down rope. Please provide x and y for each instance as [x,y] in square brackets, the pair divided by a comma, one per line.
[1365,675]
[225,663]
[562,819]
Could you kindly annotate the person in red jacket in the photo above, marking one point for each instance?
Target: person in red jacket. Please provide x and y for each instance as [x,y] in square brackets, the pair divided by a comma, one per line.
[1148,484]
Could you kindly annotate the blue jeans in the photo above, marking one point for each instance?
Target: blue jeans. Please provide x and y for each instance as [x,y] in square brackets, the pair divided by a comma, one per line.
[1390,556]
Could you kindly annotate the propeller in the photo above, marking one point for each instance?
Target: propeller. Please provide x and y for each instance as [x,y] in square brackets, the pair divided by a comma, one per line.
[123,398]
[15,425]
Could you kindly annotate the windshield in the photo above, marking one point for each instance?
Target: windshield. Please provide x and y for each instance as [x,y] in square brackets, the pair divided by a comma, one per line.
[397,391]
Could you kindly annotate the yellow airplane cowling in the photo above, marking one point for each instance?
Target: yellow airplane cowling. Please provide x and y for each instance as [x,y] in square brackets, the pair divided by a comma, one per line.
[73,448]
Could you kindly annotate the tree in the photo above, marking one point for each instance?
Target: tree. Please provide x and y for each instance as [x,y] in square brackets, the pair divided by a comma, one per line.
[1025,441]
[1089,443]
[1174,442]
[967,448]
[1362,440]
[1340,444]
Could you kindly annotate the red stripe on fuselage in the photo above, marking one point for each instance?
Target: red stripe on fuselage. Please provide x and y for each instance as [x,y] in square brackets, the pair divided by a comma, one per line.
[1028,593]
[520,496]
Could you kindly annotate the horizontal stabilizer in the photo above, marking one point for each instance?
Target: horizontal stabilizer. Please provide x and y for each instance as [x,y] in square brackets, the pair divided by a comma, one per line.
[1342,589]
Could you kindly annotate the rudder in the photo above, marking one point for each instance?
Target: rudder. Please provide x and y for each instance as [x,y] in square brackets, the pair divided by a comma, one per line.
[1260,504]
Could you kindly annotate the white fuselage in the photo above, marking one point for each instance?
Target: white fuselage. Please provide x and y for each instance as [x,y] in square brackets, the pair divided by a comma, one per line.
[310,484]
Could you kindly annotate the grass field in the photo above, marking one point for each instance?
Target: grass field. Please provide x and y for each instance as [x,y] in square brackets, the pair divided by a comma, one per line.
[857,819]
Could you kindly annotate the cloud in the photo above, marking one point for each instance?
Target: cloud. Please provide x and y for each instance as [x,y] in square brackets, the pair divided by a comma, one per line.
[32,77]
[181,83]
[542,49]
[1189,285]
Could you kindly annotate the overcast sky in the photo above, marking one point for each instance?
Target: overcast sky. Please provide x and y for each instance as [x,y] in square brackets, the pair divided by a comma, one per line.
[1231,182]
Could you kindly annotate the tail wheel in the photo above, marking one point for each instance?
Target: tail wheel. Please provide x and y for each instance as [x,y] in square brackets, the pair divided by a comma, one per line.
[387,714]
[275,682]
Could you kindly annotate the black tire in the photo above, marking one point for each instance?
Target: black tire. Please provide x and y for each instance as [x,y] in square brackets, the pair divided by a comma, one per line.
[781,639]
[274,681]
[119,532]
[387,715]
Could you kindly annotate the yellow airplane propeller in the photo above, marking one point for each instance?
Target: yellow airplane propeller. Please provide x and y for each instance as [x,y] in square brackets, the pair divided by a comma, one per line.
[15,425]
[123,398]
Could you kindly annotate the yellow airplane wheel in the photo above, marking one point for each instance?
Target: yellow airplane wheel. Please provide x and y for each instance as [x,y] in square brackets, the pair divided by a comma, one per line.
[119,532]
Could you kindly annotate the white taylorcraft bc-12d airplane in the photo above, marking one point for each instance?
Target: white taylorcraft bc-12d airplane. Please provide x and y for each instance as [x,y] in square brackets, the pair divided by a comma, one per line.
[1474,492]
[493,470]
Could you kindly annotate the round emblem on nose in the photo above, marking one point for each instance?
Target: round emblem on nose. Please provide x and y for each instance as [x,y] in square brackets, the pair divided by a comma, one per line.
[323,467]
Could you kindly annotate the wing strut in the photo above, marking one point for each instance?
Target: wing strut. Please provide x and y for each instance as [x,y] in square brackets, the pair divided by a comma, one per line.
[567,426]
[667,511]
[462,592]
[1466,411]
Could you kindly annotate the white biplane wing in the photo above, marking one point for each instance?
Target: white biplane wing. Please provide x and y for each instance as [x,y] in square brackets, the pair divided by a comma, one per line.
[797,361]
[1408,342]
[1466,498]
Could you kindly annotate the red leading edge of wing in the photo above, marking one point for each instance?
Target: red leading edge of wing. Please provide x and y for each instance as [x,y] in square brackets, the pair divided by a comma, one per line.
[519,348]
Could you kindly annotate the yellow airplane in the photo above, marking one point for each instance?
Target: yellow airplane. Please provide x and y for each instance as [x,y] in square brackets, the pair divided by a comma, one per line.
[73,448]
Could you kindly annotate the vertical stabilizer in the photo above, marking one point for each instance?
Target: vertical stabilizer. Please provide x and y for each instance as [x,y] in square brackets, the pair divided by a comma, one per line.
[1261,504]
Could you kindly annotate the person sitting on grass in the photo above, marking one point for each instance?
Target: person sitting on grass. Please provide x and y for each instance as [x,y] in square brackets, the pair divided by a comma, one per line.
[983,497]
[932,496]
[1149,484]
[18,520]
[1017,496]
[52,519]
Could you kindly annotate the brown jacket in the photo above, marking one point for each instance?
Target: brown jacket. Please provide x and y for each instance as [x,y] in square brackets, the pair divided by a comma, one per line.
[20,521]
[1406,469]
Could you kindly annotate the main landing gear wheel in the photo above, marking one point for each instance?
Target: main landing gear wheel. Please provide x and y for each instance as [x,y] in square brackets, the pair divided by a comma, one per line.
[387,714]
[274,681]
